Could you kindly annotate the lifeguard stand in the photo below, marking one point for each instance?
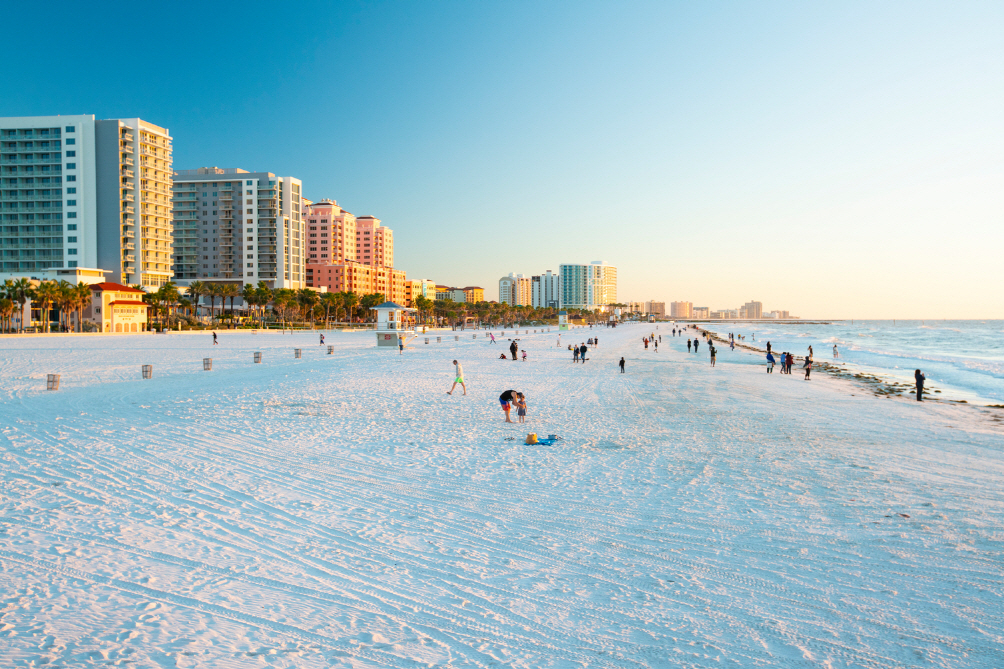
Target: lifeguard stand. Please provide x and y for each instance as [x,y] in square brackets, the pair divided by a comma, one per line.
[393,322]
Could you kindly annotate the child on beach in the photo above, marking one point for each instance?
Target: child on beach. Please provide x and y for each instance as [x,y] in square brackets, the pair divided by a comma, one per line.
[521,408]
[524,356]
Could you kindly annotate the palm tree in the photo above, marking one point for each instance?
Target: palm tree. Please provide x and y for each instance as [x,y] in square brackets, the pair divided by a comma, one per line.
[233,292]
[328,300]
[212,292]
[170,295]
[367,303]
[264,296]
[20,292]
[6,313]
[196,290]
[349,301]
[83,294]
[46,294]
[282,298]
[306,298]
[250,297]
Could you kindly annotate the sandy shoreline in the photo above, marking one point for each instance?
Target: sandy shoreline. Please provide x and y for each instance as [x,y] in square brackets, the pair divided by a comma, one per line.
[343,511]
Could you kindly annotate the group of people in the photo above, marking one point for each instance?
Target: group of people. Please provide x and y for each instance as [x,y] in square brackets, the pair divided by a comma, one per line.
[579,352]
[511,398]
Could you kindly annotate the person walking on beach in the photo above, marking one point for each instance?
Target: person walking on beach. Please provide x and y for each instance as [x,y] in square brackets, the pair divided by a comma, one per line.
[621,364]
[400,344]
[688,346]
[770,362]
[645,341]
[697,343]
[523,352]
[458,377]
[712,348]
[513,347]
[791,362]
[214,340]
[506,399]
[322,339]
[582,353]
[808,367]
[656,345]
[575,354]
[919,377]
[596,342]
[493,338]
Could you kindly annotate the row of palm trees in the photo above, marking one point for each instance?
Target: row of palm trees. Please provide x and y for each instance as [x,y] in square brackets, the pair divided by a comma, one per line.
[68,299]
[490,314]
[287,304]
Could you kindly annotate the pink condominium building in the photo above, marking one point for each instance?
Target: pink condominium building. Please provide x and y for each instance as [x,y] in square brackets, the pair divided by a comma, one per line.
[345,253]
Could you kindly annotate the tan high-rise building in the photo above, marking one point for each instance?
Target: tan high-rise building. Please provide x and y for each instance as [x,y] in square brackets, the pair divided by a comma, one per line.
[516,290]
[681,309]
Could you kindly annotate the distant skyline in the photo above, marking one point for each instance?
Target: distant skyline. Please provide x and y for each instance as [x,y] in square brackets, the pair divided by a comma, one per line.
[834,161]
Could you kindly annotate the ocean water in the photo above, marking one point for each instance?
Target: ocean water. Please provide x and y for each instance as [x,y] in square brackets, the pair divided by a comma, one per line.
[964,359]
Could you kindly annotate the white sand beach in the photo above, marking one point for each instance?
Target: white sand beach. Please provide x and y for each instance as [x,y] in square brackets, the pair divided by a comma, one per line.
[343,511]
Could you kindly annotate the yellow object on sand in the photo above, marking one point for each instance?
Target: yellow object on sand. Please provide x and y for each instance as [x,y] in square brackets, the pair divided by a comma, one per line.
[531,438]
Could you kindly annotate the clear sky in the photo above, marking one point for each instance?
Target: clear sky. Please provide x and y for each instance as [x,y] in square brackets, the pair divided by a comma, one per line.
[832,159]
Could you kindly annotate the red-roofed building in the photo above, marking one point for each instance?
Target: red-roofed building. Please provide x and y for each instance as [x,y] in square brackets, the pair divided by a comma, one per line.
[117,308]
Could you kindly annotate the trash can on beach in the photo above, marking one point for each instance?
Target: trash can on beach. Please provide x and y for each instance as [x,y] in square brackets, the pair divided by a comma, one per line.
[52,382]
[207,364]
[147,371]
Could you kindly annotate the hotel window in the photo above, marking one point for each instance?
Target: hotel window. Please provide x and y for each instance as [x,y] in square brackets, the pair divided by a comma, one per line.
[71,154]
[69,128]
[71,203]
[71,191]
[71,166]
[71,252]
[71,240]
[71,214]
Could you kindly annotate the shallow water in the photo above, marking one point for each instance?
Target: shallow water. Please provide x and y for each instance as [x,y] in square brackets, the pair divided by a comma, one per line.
[963,358]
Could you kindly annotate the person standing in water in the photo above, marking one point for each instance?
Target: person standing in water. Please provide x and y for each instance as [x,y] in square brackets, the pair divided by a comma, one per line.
[621,364]
[768,347]
[836,353]
[919,377]
[458,377]
[810,350]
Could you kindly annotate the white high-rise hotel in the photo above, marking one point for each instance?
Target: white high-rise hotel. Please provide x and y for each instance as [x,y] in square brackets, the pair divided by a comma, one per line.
[78,194]
[589,286]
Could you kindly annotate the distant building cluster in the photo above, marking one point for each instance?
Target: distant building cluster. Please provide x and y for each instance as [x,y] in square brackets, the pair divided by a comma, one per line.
[589,286]
[686,310]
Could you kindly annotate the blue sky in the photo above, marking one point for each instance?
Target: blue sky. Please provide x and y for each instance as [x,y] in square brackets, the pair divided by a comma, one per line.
[835,160]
